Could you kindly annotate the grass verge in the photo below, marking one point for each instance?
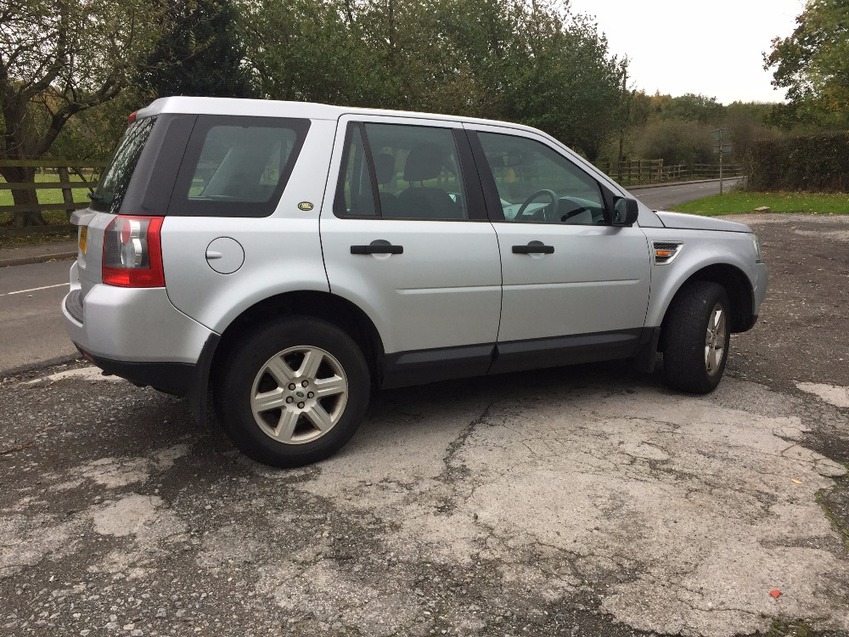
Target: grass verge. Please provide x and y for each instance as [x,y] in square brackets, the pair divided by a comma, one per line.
[835,504]
[781,628]
[740,201]
[48,195]
[45,196]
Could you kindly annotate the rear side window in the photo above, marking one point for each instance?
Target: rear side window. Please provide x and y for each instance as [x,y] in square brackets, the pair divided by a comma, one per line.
[115,181]
[237,166]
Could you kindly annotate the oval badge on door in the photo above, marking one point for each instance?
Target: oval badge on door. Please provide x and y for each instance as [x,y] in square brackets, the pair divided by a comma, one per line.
[306,206]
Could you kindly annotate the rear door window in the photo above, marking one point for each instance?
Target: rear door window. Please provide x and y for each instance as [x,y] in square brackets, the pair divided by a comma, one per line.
[237,166]
[400,171]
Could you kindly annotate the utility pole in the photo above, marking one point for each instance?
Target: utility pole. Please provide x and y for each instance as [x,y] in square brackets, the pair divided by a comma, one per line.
[624,114]
[720,148]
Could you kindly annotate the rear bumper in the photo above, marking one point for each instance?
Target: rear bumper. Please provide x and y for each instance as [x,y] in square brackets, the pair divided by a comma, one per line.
[173,378]
[138,335]
[180,379]
[137,325]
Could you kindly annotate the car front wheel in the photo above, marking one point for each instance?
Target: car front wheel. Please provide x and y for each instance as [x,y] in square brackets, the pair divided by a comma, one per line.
[292,392]
[696,337]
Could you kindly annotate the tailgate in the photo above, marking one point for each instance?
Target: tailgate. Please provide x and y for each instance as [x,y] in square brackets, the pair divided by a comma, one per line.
[90,230]
[86,272]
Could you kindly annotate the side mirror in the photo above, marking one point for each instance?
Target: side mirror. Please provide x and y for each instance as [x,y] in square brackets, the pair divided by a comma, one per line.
[625,211]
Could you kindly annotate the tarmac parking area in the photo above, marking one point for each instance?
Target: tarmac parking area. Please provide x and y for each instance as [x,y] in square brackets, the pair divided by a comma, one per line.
[579,501]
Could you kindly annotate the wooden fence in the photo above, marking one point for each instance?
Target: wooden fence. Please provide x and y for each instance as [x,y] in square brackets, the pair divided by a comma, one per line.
[54,188]
[637,171]
[653,171]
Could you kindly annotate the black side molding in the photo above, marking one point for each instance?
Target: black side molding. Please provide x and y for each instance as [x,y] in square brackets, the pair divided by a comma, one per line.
[432,365]
[558,351]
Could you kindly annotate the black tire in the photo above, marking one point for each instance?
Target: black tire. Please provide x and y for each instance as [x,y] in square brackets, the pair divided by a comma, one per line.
[250,371]
[692,360]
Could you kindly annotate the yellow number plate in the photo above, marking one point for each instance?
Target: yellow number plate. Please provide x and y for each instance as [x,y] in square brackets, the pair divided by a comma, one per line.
[83,236]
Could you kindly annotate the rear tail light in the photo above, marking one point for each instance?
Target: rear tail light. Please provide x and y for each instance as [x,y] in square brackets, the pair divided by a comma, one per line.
[132,253]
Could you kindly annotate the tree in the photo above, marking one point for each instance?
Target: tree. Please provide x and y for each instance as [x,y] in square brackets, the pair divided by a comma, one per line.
[746,124]
[693,108]
[812,64]
[676,142]
[92,134]
[199,55]
[314,50]
[510,59]
[564,81]
[59,58]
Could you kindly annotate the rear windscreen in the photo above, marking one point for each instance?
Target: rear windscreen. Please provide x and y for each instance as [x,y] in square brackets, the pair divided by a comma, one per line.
[115,181]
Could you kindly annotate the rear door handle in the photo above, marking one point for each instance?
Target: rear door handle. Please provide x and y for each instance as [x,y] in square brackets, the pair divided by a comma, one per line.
[378,246]
[534,247]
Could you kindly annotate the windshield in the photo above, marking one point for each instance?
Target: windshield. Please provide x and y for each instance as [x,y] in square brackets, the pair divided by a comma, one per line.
[113,186]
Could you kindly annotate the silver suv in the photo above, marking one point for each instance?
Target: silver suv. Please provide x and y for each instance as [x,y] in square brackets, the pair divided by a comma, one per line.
[287,258]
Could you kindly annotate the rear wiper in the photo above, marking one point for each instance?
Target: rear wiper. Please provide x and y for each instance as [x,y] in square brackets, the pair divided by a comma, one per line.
[94,196]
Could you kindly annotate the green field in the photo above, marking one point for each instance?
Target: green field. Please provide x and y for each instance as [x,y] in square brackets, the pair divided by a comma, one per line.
[48,195]
[45,196]
[740,201]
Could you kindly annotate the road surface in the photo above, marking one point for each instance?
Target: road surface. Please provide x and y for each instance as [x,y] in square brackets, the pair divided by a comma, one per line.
[576,502]
[29,313]
[668,195]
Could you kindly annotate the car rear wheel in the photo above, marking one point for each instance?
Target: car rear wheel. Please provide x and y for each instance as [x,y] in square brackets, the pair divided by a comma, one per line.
[292,392]
[696,337]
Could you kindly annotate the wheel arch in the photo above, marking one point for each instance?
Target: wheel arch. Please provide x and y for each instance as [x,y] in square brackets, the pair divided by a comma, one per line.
[322,305]
[737,286]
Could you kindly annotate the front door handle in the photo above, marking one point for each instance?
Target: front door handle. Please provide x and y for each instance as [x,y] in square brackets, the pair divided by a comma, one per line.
[534,247]
[378,246]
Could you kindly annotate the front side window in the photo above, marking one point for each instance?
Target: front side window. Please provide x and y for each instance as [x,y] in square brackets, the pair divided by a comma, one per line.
[400,172]
[538,185]
[237,166]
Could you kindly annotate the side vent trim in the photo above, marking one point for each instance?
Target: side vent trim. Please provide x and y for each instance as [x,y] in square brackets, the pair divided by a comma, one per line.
[665,252]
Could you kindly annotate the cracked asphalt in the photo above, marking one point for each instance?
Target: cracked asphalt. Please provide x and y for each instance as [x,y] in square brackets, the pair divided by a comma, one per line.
[581,501]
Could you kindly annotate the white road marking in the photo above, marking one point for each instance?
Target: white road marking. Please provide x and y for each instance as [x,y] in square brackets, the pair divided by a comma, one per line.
[43,287]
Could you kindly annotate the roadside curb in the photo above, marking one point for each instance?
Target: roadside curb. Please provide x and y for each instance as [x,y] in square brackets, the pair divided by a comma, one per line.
[36,258]
[39,365]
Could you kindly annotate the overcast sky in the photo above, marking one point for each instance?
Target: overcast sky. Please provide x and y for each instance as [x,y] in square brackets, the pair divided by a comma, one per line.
[709,48]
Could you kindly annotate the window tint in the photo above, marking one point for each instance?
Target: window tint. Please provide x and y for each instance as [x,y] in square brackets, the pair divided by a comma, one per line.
[241,163]
[537,184]
[115,181]
[237,166]
[413,171]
